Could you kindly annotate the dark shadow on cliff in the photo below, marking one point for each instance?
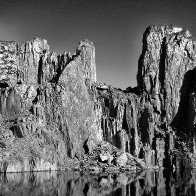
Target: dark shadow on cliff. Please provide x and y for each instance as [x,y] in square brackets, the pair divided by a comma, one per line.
[180,121]
[16,131]
[63,61]
[40,71]
[4,85]
[162,70]
[141,61]
[144,126]
[134,90]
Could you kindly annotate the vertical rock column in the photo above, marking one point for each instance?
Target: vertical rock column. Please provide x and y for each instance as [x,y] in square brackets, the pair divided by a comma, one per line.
[164,78]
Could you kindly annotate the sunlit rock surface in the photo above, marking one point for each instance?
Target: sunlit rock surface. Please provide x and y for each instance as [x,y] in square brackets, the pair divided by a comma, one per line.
[47,111]
[55,116]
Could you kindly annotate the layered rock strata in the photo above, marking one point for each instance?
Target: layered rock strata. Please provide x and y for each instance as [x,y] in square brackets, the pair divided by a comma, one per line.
[54,115]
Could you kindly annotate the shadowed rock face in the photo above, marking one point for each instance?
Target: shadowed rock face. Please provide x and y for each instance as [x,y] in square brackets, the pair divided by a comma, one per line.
[54,114]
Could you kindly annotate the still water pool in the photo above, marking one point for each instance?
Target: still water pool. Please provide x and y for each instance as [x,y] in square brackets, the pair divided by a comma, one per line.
[152,183]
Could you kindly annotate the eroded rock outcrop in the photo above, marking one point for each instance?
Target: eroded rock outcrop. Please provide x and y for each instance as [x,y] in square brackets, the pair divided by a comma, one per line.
[46,105]
[166,79]
[54,115]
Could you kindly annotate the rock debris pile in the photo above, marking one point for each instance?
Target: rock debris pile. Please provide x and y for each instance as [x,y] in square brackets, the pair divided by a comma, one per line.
[54,115]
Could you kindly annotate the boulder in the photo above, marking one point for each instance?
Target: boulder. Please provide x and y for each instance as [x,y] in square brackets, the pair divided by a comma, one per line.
[121,160]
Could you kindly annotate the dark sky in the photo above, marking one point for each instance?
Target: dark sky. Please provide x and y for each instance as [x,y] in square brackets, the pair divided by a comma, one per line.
[115,26]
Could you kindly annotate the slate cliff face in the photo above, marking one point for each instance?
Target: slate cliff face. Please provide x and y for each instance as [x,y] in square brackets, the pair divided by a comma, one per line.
[54,114]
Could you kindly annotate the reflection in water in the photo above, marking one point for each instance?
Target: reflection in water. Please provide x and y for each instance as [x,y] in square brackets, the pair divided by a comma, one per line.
[146,183]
